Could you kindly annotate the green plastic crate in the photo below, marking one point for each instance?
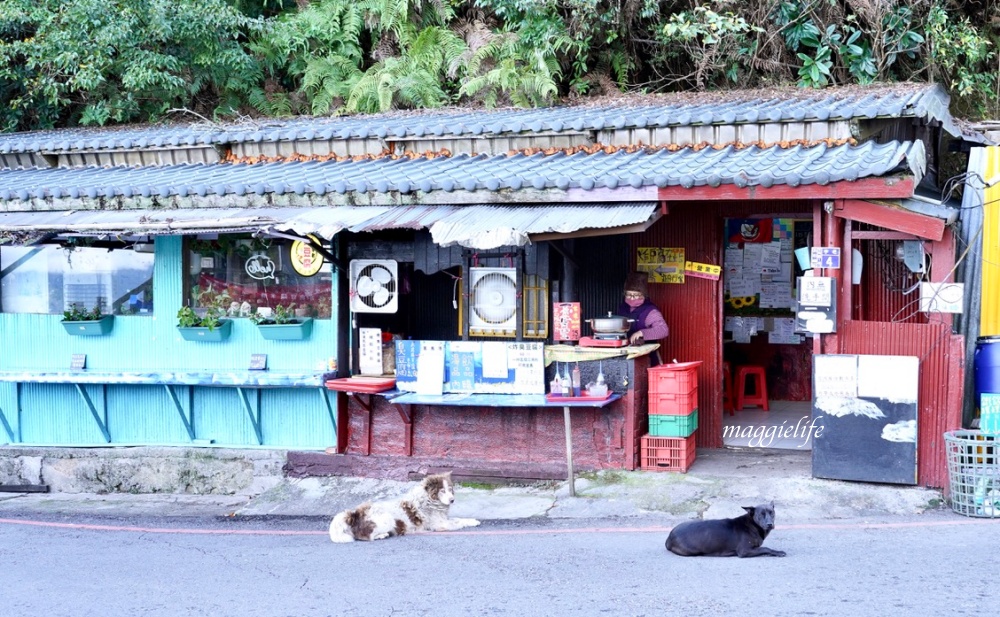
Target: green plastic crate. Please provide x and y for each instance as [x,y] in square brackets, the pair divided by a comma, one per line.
[668,425]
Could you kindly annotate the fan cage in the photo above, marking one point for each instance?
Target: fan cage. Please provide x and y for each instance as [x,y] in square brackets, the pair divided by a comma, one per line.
[369,299]
[534,312]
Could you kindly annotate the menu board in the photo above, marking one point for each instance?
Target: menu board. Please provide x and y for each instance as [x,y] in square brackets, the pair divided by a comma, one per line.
[469,366]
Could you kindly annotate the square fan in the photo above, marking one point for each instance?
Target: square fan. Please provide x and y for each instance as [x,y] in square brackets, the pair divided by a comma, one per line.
[374,286]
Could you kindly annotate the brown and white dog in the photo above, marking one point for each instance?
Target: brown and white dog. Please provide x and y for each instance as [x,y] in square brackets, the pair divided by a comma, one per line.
[424,508]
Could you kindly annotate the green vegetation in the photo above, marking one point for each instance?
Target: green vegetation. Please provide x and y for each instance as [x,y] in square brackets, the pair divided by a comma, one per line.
[100,62]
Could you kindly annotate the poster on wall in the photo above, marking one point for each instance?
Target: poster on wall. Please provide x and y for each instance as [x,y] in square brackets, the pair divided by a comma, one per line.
[865,413]
[662,265]
[566,321]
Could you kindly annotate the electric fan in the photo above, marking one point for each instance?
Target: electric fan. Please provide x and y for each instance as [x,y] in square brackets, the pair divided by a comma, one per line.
[493,301]
[374,286]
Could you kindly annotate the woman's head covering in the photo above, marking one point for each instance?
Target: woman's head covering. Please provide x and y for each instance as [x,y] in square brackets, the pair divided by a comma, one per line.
[636,282]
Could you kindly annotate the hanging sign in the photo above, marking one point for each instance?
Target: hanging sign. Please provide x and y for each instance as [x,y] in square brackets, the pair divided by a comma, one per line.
[260,267]
[306,260]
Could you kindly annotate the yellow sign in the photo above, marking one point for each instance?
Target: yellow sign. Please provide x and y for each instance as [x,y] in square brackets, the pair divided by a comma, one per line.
[661,265]
[306,260]
[705,271]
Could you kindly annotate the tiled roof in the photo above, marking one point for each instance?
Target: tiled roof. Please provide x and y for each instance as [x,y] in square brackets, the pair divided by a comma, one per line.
[733,107]
[358,181]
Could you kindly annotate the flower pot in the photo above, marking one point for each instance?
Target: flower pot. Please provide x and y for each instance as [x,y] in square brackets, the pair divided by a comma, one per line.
[203,334]
[297,331]
[91,327]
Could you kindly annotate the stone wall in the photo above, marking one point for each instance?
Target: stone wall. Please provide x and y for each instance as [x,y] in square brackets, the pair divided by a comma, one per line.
[197,471]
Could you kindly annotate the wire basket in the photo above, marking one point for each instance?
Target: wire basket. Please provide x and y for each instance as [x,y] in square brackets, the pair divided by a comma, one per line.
[974,472]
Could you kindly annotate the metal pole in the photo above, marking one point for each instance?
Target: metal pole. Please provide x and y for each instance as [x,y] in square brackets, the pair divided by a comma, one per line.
[569,451]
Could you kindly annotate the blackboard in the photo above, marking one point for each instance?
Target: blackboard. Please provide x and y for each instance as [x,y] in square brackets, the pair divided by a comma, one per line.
[865,408]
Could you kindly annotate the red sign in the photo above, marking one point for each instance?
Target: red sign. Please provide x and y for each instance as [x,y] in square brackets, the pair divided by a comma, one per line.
[566,321]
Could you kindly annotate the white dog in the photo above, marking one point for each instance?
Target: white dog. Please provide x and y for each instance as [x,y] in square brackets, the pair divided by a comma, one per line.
[424,508]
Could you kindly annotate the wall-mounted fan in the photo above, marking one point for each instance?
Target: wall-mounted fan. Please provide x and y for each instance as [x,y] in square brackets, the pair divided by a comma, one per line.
[374,286]
[492,301]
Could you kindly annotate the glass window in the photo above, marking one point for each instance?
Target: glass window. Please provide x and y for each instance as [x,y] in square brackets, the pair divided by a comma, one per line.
[241,274]
[51,278]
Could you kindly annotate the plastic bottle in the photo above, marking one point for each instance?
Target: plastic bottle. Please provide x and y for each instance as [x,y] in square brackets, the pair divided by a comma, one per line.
[567,382]
[555,386]
[576,379]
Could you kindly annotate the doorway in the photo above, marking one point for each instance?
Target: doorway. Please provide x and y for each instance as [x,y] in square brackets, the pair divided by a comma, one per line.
[762,353]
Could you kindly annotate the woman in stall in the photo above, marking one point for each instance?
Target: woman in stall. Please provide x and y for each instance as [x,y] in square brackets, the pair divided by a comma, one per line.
[648,325]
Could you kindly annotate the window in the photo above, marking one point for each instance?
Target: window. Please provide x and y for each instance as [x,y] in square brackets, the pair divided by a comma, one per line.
[51,278]
[240,274]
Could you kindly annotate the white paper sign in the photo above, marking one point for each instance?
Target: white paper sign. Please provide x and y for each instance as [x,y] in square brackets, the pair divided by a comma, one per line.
[495,360]
[370,351]
[430,368]
[835,376]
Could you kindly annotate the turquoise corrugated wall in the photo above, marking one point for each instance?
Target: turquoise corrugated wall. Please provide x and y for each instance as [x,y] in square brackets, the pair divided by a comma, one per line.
[56,414]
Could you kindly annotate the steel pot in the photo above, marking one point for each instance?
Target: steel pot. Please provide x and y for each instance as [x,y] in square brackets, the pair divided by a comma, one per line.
[612,324]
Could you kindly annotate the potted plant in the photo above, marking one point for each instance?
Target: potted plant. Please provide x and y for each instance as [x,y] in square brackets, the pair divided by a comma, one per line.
[209,323]
[283,324]
[79,321]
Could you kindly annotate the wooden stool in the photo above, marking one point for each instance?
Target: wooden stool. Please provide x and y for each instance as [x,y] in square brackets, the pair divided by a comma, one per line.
[753,373]
[727,389]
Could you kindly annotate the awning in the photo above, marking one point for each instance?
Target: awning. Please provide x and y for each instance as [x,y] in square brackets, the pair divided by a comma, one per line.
[475,226]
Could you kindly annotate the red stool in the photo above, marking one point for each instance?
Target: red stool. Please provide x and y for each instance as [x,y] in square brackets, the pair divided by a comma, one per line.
[727,389]
[753,373]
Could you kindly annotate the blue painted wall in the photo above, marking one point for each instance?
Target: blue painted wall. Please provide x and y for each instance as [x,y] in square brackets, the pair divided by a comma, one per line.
[57,415]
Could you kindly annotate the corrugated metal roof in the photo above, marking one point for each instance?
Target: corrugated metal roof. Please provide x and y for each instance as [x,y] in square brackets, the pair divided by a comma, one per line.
[751,166]
[476,226]
[683,109]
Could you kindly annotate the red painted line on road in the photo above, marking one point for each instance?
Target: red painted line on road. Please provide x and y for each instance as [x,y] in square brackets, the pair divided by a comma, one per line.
[178,530]
[496,532]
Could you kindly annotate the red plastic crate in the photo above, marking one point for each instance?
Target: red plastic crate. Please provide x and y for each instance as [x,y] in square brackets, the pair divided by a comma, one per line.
[672,403]
[666,453]
[678,378]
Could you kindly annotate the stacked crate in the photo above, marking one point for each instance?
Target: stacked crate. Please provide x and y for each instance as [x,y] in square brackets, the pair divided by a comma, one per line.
[673,418]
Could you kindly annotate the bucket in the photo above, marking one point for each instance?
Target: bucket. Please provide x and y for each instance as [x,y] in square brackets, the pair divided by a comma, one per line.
[986,364]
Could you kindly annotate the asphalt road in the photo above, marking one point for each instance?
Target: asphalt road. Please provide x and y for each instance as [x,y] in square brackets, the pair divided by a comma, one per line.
[108,567]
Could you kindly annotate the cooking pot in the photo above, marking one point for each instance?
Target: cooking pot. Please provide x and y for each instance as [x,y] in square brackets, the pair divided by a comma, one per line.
[612,324]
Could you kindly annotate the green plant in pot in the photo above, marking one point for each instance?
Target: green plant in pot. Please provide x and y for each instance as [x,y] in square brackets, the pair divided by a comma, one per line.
[80,321]
[209,323]
[283,324]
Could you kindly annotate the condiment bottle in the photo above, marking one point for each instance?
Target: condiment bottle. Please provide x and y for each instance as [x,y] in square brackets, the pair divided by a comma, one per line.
[567,382]
[555,387]
[576,379]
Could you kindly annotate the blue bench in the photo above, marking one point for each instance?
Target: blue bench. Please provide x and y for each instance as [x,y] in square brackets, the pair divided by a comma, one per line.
[243,381]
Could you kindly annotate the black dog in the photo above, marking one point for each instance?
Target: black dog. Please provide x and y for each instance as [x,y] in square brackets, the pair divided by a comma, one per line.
[729,537]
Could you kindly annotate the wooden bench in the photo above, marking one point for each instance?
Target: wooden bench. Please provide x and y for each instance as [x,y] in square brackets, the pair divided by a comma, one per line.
[244,381]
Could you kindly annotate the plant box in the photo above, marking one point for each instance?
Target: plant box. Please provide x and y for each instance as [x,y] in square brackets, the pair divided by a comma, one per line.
[673,403]
[666,453]
[679,378]
[203,334]
[667,425]
[92,327]
[297,331]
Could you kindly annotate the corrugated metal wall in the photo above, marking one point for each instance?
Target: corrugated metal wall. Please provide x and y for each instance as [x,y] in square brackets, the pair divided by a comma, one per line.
[881,297]
[56,414]
[942,358]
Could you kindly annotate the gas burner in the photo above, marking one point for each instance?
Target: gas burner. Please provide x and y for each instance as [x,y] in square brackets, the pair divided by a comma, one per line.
[588,341]
[609,336]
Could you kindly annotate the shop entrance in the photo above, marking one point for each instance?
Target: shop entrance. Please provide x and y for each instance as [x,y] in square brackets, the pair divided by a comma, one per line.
[762,354]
